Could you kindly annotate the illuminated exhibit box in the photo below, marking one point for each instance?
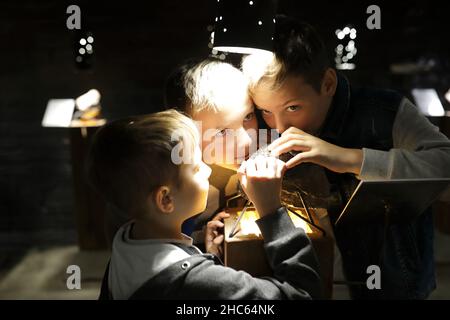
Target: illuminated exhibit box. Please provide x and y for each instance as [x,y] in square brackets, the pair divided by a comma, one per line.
[245,251]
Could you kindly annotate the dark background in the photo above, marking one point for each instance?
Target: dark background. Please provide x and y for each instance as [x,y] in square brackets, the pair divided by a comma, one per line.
[136,45]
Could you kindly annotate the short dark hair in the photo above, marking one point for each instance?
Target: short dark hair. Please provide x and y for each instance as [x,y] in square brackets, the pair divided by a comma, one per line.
[131,157]
[298,51]
[298,46]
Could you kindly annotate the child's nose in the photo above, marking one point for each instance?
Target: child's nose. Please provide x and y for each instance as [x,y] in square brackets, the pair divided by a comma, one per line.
[281,125]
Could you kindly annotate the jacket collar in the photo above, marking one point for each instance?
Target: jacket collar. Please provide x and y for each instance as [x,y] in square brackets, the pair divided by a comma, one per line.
[338,112]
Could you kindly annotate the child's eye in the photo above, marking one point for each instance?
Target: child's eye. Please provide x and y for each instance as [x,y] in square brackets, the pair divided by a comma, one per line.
[221,133]
[293,108]
[266,112]
[249,116]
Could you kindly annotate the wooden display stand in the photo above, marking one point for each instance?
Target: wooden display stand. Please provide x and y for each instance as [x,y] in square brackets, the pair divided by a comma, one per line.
[90,208]
[246,251]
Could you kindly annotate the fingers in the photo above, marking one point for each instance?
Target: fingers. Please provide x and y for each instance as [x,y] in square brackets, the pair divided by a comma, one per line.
[214,225]
[291,143]
[281,168]
[218,240]
[211,231]
[299,158]
[294,130]
[241,169]
[258,167]
[263,167]
[264,177]
[291,133]
[272,166]
[283,139]
[220,216]
[251,168]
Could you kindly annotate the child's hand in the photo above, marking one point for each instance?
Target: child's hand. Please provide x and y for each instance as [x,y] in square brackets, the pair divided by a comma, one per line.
[214,234]
[261,180]
[317,151]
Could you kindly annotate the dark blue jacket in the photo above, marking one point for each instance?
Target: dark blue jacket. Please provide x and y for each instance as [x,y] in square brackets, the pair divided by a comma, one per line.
[364,118]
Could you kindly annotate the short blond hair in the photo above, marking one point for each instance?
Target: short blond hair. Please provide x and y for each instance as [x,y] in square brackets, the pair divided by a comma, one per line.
[131,157]
[263,68]
[207,83]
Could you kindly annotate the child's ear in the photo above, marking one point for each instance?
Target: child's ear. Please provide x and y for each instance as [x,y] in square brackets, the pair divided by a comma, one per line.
[329,82]
[164,199]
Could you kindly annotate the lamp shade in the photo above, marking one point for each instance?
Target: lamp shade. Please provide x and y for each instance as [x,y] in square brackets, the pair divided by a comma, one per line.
[244,26]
